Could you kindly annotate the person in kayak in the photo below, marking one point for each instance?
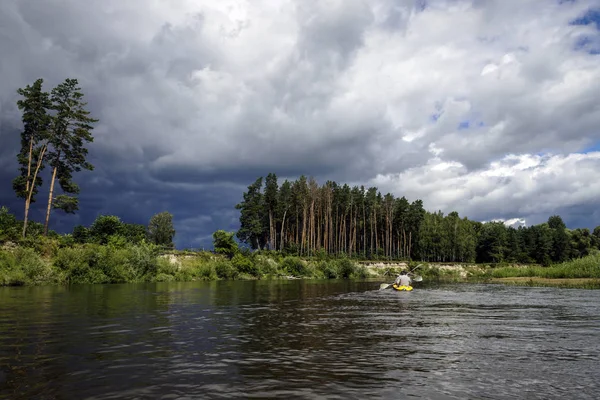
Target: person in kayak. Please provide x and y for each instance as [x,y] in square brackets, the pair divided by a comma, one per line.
[403,279]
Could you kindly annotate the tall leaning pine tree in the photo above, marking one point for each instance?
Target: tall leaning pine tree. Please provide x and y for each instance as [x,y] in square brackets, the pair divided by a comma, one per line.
[34,143]
[71,128]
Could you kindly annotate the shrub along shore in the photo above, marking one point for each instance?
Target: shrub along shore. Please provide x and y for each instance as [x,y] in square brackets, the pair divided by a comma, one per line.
[93,264]
[49,263]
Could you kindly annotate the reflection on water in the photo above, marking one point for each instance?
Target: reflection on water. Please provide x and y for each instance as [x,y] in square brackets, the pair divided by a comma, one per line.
[298,339]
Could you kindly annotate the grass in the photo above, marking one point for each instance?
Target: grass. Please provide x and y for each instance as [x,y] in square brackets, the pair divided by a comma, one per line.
[572,283]
[586,267]
[580,273]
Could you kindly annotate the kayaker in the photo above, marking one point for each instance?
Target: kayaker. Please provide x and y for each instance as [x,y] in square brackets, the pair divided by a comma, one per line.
[403,279]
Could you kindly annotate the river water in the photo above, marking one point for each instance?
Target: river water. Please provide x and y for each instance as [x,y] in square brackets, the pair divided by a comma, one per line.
[298,339]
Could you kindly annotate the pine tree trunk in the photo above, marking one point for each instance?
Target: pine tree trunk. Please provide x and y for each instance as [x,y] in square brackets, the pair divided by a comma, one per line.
[364,231]
[302,245]
[282,238]
[29,164]
[30,188]
[270,230]
[28,198]
[376,235]
[50,196]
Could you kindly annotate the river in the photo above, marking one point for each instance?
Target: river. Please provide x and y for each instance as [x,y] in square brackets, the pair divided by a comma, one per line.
[298,339]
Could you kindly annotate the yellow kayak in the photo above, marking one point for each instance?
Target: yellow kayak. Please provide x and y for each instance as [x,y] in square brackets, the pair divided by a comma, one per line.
[407,288]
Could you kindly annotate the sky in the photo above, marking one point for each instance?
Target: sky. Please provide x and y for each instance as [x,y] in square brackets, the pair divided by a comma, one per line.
[488,108]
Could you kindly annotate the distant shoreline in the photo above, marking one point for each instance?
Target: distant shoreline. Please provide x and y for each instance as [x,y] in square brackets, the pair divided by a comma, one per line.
[575,283]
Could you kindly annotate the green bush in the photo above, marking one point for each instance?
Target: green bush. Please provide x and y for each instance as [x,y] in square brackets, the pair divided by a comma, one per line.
[143,260]
[224,243]
[225,270]
[360,272]
[12,278]
[345,268]
[10,228]
[8,261]
[266,265]
[113,263]
[294,266]
[328,269]
[245,265]
[161,277]
[165,266]
[70,258]
[207,272]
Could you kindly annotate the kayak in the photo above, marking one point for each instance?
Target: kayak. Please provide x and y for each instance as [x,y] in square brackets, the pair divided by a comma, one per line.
[407,288]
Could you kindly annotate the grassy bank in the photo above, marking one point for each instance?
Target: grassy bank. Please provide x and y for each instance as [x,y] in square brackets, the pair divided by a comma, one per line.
[580,273]
[93,263]
[586,267]
[50,261]
[572,283]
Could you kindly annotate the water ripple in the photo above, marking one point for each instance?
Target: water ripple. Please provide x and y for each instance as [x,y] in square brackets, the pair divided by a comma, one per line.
[299,340]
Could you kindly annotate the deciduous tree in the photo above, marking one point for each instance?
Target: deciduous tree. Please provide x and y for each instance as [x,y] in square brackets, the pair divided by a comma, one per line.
[161,230]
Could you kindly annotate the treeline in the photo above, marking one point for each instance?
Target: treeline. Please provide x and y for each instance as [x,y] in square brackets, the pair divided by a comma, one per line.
[306,219]
[105,230]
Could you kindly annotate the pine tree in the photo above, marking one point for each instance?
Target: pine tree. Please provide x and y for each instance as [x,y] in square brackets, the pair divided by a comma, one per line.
[71,127]
[34,143]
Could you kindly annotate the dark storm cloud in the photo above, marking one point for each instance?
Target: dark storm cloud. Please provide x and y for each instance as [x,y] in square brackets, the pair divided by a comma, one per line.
[197,99]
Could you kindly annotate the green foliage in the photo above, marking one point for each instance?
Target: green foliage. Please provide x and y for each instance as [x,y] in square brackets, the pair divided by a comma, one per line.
[341,268]
[586,267]
[10,228]
[224,243]
[360,272]
[24,266]
[35,104]
[226,270]
[266,263]
[161,230]
[295,266]
[103,228]
[252,216]
[164,278]
[328,269]
[81,234]
[166,267]
[134,233]
[346,268]
[117,241]
[109,264]
[207,272]
[328,221]
[290,249]
[244,265]
[68,204]
[109,229]
[71,128]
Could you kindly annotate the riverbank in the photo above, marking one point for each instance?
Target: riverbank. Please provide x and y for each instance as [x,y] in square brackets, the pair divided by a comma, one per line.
[570,283]
[93,263]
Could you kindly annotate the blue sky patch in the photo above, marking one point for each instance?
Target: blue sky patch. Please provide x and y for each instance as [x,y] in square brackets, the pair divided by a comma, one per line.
[591,16]
[591,148]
